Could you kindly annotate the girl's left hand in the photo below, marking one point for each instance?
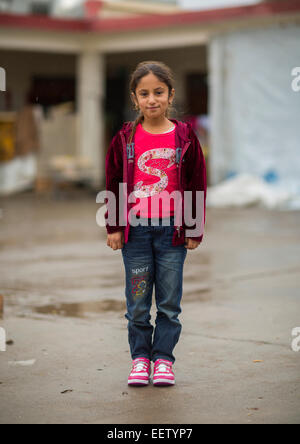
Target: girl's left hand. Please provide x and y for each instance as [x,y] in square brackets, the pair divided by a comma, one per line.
[191,244]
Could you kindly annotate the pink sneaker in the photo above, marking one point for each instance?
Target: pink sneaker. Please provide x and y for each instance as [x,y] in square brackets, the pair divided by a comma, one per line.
[140,373]
[163,373]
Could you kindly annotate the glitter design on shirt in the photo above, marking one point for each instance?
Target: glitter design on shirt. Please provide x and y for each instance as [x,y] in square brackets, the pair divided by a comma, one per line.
[141,190]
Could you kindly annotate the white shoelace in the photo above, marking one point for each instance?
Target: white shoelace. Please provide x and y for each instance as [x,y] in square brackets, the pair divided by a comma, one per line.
[140,366]
[163,368]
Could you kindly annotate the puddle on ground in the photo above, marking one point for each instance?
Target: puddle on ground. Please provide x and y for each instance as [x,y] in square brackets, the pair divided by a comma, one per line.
[81,309]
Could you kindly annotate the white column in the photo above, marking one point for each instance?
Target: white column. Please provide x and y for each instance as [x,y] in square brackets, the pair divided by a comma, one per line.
[217,82]
[90,93]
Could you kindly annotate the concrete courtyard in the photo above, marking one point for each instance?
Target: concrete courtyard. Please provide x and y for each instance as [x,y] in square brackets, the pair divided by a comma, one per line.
[67,357]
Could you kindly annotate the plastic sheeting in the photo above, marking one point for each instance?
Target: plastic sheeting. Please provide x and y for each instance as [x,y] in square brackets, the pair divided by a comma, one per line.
[17,175]
[246,190]
[255,111]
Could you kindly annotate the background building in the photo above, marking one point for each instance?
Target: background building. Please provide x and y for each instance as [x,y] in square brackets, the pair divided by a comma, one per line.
[232,68]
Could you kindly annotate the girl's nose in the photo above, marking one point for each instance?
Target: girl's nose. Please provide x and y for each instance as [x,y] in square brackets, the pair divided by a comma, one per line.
[151,99]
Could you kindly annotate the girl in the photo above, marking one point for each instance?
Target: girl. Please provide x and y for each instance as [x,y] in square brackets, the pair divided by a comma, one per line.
[154,244]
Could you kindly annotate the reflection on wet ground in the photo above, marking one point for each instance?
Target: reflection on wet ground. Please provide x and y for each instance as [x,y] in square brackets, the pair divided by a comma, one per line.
[85,309]
[81,309]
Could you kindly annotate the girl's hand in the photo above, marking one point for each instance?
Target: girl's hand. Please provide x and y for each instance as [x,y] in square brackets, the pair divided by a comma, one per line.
[115,240]
[191,244]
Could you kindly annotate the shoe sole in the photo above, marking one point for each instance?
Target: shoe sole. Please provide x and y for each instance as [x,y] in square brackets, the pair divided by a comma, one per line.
[163,382]
[137,382]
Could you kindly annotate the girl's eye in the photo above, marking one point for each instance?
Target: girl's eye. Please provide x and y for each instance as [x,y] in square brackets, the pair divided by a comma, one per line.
[145,94]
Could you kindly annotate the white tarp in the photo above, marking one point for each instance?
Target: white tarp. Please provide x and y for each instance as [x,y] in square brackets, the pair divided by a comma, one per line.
[17,175]
[246,190]
[255,113]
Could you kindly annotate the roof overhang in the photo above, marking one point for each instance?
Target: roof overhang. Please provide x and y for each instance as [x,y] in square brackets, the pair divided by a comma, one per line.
[153,21]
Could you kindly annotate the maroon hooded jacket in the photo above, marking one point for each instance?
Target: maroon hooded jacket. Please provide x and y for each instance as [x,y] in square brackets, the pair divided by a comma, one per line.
[119,167]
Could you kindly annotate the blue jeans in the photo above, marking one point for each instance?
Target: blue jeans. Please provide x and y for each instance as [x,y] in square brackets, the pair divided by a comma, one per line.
[150,259]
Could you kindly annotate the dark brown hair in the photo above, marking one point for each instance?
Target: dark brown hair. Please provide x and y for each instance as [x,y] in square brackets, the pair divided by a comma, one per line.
[161,71]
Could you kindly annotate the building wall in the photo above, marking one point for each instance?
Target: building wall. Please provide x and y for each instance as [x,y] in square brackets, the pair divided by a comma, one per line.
[20,66]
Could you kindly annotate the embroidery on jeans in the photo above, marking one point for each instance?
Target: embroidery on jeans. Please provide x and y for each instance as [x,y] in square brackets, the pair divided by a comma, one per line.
[139,286]
[140,270]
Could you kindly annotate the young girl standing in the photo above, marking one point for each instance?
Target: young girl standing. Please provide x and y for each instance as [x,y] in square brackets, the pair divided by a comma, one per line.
[152,157]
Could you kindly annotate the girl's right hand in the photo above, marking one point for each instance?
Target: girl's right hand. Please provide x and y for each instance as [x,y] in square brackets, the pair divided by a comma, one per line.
[116,240]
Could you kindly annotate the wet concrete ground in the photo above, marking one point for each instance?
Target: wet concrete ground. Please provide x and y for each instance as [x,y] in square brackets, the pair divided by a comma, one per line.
[63,292]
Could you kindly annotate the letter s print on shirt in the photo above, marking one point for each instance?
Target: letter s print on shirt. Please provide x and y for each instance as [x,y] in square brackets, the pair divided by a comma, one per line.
[141,190]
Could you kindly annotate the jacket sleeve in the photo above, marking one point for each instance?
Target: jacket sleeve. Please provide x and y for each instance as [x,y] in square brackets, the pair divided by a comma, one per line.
[196,180]
[114,176]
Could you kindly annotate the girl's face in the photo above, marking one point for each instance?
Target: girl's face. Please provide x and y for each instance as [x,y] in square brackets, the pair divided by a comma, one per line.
[152,97]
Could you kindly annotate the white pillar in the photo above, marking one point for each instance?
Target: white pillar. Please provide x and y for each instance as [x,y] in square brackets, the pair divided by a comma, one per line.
[90,93]
[218,157]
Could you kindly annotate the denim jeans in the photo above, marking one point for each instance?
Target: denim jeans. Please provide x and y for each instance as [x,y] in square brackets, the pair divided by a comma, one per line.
[151,259]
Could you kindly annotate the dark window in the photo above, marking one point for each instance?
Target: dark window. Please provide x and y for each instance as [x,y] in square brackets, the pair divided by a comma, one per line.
[40,8]
[197,93]
[49,91]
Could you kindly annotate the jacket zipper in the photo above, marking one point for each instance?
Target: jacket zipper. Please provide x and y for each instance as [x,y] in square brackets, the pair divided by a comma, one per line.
[180,169]
[125,163]
[124,156]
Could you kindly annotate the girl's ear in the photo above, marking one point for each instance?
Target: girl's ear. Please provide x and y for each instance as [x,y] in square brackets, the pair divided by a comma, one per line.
[172,95]
[134,99]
